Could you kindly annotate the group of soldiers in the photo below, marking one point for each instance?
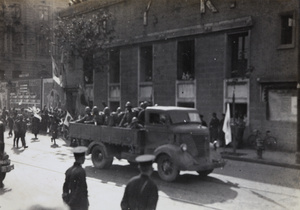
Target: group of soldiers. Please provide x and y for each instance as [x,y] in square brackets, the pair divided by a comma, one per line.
[131,117]
[141,193]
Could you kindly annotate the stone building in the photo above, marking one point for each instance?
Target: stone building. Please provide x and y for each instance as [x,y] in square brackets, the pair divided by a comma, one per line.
[24,43]
[198,53]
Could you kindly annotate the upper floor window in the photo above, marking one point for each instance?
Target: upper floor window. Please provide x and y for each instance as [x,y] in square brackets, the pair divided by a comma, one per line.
[146,58]
[43,13]
[114,66]
[186,60]
[239,51]
[287,29]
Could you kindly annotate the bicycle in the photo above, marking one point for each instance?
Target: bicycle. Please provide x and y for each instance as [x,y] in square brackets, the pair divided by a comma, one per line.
[269,142]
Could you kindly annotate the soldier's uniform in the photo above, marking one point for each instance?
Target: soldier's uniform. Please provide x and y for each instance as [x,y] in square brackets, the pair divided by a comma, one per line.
[141,192]
[75,192]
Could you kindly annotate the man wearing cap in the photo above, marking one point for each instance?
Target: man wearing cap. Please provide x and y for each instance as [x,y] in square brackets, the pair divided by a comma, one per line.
[141,192]
[75,192]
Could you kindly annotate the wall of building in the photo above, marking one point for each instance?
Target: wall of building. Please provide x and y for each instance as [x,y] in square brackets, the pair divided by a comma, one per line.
[171,21]
[32,58]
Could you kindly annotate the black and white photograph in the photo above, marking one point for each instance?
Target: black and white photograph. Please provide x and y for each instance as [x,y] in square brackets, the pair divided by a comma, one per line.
[149,104]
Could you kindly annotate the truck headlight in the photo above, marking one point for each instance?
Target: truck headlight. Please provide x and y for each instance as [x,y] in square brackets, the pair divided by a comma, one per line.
[183,147]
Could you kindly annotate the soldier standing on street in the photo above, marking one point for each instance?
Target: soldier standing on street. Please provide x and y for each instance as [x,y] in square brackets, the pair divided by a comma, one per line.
[75,192]
[141,192]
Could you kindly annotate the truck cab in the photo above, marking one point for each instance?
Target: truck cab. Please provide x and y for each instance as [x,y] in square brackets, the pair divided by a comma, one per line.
[179,141]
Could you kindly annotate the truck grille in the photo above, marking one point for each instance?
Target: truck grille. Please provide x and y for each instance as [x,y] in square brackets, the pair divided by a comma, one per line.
[198,145]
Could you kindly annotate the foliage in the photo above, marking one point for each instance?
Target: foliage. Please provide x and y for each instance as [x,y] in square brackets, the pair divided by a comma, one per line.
[83,33]
[86,35]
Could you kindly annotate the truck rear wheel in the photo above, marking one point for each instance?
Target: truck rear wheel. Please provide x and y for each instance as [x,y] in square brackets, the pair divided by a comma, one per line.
[167,169]
[100,157]
[205,173]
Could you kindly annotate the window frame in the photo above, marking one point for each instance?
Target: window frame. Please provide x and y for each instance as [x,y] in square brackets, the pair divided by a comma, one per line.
[180,61]
[293,43]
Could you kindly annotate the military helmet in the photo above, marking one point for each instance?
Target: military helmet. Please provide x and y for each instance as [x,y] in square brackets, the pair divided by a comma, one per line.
[134,119]
[95,109]
[87,109]
[128,104]
[106,110]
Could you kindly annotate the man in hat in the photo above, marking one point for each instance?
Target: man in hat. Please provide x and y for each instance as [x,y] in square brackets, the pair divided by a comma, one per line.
[75,192]
[141,192]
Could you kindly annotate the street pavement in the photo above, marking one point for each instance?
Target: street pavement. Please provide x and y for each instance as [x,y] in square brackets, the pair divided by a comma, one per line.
[46,174]
[46,177]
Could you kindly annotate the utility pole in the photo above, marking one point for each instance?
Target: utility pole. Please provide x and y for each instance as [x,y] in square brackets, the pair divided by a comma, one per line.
[298,90]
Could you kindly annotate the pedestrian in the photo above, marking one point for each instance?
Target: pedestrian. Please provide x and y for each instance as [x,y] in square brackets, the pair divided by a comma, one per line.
[221,132]
[55,121]
[35,125]
[203,123]
[75,192]
[16,131]
[141,192]
[10,122]
[22,128]
[214,127]
[240,127]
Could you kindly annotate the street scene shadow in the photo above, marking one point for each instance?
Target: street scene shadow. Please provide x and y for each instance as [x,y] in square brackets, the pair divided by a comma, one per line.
[55,146]
[4,190]
[17,150]
[204,189]
[34,140]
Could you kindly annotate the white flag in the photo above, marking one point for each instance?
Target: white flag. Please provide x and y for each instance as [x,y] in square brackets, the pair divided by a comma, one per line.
[68,118]
[56,74]
[226,126]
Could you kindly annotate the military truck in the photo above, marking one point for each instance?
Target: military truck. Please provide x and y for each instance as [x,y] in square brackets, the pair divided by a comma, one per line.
[173,134]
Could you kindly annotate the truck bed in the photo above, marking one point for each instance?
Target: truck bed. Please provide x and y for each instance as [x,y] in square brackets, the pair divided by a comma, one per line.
[107,134]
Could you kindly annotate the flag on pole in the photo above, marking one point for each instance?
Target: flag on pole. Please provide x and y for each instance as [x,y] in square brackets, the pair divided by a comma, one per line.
[226,126]
[68,118]
[56,74]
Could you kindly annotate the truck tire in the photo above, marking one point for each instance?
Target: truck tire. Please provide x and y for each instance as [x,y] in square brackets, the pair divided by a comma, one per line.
[100,157]
[204,173]
[167,169]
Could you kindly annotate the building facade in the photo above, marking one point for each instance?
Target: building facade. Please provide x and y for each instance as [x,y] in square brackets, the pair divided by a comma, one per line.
[205,54]
[25,47]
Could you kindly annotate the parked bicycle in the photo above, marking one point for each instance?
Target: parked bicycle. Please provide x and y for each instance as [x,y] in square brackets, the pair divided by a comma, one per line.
[269,142]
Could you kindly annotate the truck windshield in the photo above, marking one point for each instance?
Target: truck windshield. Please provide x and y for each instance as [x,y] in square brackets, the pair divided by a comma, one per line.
[184,117]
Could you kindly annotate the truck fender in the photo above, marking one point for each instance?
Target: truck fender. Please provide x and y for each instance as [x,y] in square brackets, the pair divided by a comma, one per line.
[182,159]
[169,149]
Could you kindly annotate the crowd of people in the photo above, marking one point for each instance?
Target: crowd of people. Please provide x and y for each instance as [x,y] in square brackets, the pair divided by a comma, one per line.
[31,119]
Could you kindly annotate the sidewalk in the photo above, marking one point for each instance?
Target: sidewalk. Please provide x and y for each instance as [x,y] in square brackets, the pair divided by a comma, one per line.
[275,158]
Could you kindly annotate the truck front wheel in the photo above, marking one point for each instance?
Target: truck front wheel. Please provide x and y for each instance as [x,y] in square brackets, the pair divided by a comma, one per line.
[100,157]
[167,169]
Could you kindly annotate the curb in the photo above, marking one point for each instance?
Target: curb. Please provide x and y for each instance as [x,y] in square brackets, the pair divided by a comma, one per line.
[262,161]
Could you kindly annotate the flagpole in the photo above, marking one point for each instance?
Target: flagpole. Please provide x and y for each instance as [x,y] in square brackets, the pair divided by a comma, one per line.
[233,114]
